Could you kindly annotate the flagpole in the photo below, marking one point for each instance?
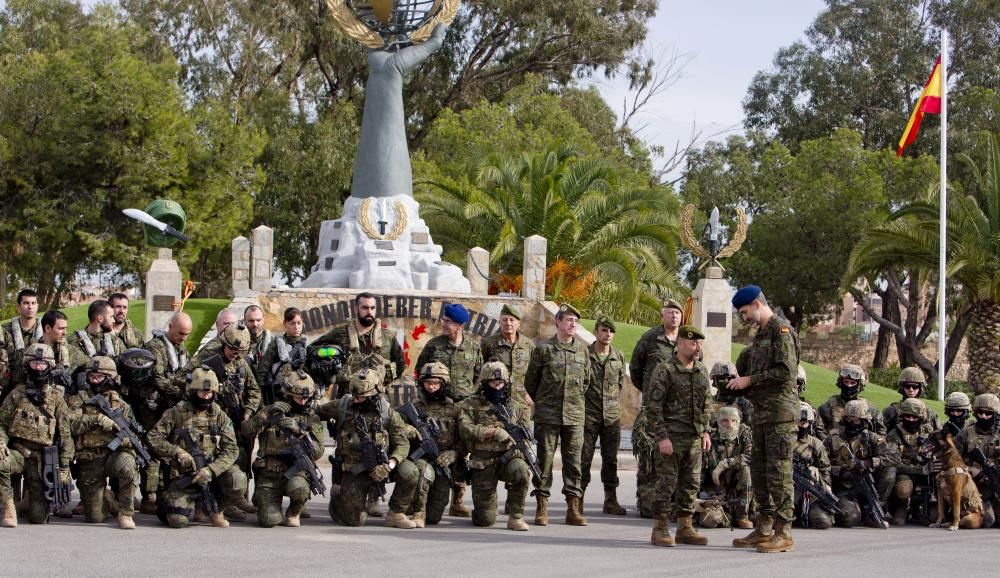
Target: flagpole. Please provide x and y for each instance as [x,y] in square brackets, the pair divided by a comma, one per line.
[943,217]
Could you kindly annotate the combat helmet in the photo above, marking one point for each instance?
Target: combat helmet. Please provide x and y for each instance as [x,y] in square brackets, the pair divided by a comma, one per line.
[957,400]
[913,406]
[806,412]
[202,379]
[911,375]
[103,364]
[236,336]
[494,370]
[434,369]
[366,382]
[800,379]
[852,371]
[856,408]
[987,401]
[39,351]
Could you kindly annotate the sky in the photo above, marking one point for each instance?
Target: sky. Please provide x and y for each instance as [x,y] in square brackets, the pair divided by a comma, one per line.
[726,42]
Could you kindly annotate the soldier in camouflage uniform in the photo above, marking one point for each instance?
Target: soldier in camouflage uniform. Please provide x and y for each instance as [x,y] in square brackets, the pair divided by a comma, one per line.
[18,333]
[130,335]
[33,417]
[726,475]
[512,349]
[655,345]
[68,358]
[602,417]
[678,401]
[768,371]
[811,452]
[92,431]
[212,430]
[431,494]
[721,374]
[292,417]
[557,379]
[818,431]
[984,435]
[851,380]
[353,483]
[870,450]
[493,457]
[958,409]
[163,390]
[912,474]
[98,337]
[260,338]
[911,384]
[279,355]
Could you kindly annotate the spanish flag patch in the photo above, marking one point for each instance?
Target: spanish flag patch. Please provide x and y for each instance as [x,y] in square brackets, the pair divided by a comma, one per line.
[786,330]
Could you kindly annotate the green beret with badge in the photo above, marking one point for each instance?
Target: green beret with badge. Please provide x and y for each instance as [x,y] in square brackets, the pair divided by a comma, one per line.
[567,309]
[512,311]
[604,321]
[690,332]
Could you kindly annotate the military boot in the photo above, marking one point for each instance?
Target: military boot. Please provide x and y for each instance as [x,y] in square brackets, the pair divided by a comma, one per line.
[218,520]
[781,541]
[373,508]
[148,504]
[305,514]
[517,524]
[292,515]
[420,519]
[542,510]
[760,534]
[9,519]
[125,522]
[661,532]
[246,505]
[235,513]
[686,534]
[899,516]
[457,508]
[399,520]
[611,505]
[574,517]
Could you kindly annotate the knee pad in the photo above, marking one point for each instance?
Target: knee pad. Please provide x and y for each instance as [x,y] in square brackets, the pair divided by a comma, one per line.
[904,489]
[176,520]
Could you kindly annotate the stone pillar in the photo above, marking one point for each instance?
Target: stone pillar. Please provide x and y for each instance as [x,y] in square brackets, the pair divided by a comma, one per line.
[241,265]
[163,291]
[712,312]
[533,284]
[262,255]
[477,270]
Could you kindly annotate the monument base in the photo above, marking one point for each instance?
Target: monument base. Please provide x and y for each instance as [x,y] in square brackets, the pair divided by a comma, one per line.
[382,242]
[163,291]
[712,312]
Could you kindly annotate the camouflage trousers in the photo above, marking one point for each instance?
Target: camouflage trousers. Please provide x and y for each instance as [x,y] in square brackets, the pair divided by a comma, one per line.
[93,479]
[270,487]
[610,437]
[430,494]
[771,469]
[176,506]
[679,477]
[347,501]
[647,457]
[570,440]
[30,468]
[484,490]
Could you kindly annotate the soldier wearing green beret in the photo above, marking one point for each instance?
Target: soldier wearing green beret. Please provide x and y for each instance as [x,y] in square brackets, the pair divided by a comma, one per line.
[512,349]
[602,416]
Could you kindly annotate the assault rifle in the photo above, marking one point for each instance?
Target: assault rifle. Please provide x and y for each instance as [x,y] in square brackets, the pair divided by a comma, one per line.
[429,431]
[128,429]
[371,454]
[812,489]
[56,492]
[208,500]
[522,442]
[299,456]
[865,488]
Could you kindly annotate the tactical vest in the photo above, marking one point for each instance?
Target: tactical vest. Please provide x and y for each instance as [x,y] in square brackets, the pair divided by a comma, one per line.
[445,413]
[285,353]
[18,335]
[348,441]
[806,450]
[835,408]
[87,343]
[95,438]
[175,360]
[34,424]
[358,360]
[203,426]
[273,440]
[483,416]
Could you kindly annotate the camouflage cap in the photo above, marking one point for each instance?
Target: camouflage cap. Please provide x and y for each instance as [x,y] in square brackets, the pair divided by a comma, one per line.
[37,351]
[203,379]
[987,401]
[957,400]
[690,332]
[672,304]
[511,310]
[434,369]
[606,322]
[494,370]
[236,336]
[914,407]
[366,382]
[103,364]
[721,368]
[567,309]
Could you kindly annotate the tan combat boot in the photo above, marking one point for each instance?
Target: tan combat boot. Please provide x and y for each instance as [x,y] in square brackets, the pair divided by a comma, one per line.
[458,509]
[574,515]
[781,541]
[246,505]
[292,516]
[148,504]
[399,520]
[611,505]
[235,513]
[517,524]
[420,519]
[218,520]
[373,508]
[760,534]
[686,534]
[9,519]
[542,510]
[661,532]
[743,523]
[125,522]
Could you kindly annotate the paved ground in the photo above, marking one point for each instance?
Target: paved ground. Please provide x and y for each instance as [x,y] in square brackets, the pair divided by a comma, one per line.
[610,545]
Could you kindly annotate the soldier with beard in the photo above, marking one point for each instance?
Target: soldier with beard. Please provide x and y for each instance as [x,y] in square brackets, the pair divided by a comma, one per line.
[130,335]
[260,338]
[98,337]
[851,380]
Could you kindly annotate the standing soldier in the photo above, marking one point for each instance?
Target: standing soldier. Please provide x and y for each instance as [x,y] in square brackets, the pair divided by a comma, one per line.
[154,396]
[97,338]
[19,333]
[201,420]
[727,466]
[656,345]
[908,436]
[851,381]
[557,379]
[224,319]
[602,418]
[364,418]
[288,350]
[984,435]
[771,366]
[260,338]
[512,349]
[492,454]
[911,385]
[92,431]
[130,335]
[290,421]
[810,452]
[677,411]
[68,358]
[464,361]
[33,417]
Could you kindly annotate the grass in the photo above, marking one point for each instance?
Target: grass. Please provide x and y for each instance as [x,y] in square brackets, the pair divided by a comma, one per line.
[202,312]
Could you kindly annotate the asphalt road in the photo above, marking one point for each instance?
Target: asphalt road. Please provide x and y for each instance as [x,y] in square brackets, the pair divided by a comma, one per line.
[609,545]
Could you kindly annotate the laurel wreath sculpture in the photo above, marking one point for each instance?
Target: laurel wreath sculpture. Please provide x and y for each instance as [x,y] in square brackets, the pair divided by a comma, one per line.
[357,30]
[687,236]
[398,226]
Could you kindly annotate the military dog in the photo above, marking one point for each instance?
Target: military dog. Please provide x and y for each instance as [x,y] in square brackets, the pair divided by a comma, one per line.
[956,489]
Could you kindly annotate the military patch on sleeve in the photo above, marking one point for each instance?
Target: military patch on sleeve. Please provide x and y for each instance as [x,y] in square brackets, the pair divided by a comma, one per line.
[786,330]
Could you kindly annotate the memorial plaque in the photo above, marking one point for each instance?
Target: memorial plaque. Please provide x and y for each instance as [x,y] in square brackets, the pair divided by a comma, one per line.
[419,238]
[384,245]
[715,319]
[337,224]
[334,244]
[329,263]
[386,263]
[163,302]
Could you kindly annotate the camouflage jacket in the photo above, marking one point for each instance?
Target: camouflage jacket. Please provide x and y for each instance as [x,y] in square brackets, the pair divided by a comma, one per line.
[30,428]
[385,426]
[239,393]
[737,448]
[360,348]
[811,451]
[557,379]
[211,348]
[273,441]
[515,356]
[910,446]
[678,400]
[90,438]
[169,373]
[130,335]
[866,446]
[771,362]
[17,343]
[103,343]
[211,430]
[259,344]
[607,378]
[445,414]
[969,439]
[278,352]
[833,410]
[652,348]
[463,362]
[891,414]
[475,417]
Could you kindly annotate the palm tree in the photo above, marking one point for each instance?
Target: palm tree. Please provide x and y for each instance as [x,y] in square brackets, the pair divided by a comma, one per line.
[909,239]
[625,237]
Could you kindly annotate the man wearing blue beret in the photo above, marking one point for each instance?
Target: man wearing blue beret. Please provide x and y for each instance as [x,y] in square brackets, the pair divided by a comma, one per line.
[768,369]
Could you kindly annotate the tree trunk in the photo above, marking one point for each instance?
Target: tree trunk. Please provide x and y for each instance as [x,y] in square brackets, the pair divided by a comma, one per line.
[885,334]
[984,347]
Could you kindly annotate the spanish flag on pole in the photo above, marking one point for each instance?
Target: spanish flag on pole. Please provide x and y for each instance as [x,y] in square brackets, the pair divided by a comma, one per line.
[929,102]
